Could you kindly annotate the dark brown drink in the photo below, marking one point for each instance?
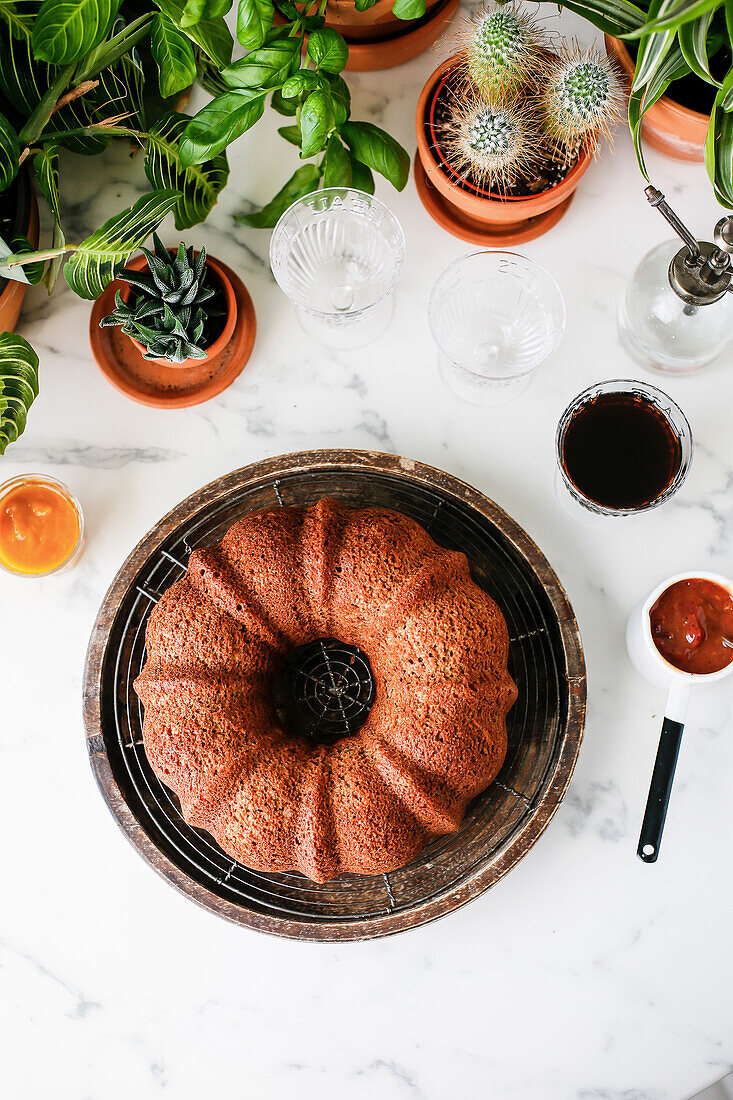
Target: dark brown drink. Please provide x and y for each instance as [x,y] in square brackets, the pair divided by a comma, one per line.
[620,450]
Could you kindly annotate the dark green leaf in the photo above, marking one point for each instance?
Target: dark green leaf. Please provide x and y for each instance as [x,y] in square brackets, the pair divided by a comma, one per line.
[46,169]
[210,35]
[364,5]
[268,67]
[336,164]
[341,98]
[361,177]
[218,124]
[305,80]
[291,134]
[614,17]
[302,182]
[120,46]
[288,9]
[194,11]
[18,386]
[254,19]
[173,54]
[9,153]
[317,120]
[19,23]
[328,50]
[378,150]
[286,107]
[409,9]
[97,260]
[67,30]
[719,145]
[199,184]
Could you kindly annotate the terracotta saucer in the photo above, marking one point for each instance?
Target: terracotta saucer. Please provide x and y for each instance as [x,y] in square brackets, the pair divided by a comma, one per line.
[171,387]
[469,230]
[368,55]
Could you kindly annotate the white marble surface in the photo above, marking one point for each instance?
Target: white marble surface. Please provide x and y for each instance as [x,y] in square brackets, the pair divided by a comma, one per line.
[584,973]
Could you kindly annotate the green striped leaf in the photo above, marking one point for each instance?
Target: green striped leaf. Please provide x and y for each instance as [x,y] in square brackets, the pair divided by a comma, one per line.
[19,22]
[9,153]
[174,56]
[97,260]
[67,30]
[719,145]
[46,169]
[218,124]
[675,15]
[199,184]
[18,386]
[653,48]
[614,17]
[693,40]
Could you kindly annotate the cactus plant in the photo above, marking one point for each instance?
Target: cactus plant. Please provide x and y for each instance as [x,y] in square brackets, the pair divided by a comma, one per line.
[580,99]
[501,48]
[165,310]
[494,144]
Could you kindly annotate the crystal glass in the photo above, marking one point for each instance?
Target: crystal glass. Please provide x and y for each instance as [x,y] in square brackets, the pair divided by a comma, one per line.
[337,254]
[574,501]
[495,316]
[659,331]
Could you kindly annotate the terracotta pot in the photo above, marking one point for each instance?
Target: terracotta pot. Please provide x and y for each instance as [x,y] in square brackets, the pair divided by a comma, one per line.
[376,22]
[139,263]
[667,126]
[12,292]
[470,212]
[167,385]
[390,41]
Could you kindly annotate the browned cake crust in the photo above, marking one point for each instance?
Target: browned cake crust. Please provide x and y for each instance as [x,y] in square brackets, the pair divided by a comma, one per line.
[434,738]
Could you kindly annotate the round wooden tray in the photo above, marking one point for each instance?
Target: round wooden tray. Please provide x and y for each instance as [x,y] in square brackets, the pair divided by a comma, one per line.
[545,726]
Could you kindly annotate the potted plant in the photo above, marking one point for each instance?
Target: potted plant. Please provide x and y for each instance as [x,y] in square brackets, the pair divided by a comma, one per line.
[182,308]
[507,127]
[679,62]
[18,230]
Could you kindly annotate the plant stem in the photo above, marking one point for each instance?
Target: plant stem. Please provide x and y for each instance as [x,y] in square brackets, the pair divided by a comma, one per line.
[35,124]
[21,258]
[79,90]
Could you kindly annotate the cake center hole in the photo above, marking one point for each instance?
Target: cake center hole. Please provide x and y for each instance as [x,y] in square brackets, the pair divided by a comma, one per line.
[324,691]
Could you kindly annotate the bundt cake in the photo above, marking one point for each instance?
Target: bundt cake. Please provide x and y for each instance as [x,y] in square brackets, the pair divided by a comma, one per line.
[434,738]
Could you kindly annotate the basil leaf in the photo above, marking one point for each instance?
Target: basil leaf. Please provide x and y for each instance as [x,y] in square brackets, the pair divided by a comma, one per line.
[302,182]
[291,134]
[305,80]
[409,9]
[378,151]
[218,124]
[65,32]
[268,67]
[254,19]
[328,50]
[364,5]
[194,11]
[286,107]
[9,153]
[336,164]
[341,99]
[361,177]
[210,35]
[317,120]
[173,54]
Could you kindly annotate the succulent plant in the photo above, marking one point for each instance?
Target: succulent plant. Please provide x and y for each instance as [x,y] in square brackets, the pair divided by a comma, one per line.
[493,143]
[502,48]
[580,99]
[165,308]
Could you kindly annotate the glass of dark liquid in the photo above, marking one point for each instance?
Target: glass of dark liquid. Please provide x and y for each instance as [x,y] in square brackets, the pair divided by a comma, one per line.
[623,448]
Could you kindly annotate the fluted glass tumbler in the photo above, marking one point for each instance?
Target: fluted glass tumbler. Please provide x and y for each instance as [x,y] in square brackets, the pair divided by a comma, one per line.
[495,317]
[337,254]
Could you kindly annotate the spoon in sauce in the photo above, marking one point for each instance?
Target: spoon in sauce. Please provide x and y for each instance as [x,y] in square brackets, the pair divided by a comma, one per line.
[682,636]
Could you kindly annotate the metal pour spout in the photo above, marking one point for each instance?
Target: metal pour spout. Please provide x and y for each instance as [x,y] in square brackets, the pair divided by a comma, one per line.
[701,272]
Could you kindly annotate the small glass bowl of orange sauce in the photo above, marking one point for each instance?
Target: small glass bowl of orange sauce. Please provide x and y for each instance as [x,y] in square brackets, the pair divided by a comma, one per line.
[41,526]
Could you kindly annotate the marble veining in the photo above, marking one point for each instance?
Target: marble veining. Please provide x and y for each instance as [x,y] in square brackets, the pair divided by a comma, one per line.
[584,974]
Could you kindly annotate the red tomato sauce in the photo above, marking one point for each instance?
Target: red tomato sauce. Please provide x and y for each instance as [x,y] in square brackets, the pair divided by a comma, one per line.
[691,622]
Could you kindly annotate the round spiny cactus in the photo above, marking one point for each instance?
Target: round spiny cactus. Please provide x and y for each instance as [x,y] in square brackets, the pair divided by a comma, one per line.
[493,144]
[580,100]
[502,51]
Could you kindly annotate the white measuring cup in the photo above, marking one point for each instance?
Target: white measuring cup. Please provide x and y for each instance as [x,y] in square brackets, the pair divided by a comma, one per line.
[650,663]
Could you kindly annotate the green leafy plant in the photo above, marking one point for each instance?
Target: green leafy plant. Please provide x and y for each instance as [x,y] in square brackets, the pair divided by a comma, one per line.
[170,308]
[674,40]
[18,385]
[513,123]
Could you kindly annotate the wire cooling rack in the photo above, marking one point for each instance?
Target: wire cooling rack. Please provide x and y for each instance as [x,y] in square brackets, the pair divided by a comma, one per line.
[544,726]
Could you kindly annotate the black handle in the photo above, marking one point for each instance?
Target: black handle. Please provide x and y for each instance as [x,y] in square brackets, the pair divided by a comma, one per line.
[660,789]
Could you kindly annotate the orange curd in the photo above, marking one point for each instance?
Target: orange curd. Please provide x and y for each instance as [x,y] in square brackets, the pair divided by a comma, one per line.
[40,525]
